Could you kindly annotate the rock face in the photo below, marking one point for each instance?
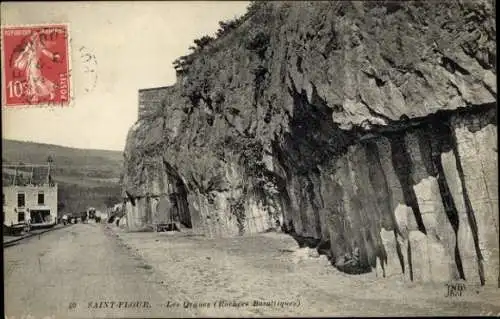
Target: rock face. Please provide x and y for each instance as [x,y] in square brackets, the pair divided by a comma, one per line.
[365,130]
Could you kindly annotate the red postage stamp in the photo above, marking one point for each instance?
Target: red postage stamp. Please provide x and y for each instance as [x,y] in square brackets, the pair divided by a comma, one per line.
[36,65]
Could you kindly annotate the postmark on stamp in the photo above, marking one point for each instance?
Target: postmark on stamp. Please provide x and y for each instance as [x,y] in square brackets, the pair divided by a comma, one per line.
[36,65]
[88,61]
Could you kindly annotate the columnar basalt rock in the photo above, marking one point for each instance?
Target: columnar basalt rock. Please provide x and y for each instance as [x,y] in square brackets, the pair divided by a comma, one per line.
[476,140]
[364,130]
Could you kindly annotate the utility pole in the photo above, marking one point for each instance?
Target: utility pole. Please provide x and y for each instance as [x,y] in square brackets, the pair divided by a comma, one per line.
[15,177]
[48,173]
[49,162]
[32,172]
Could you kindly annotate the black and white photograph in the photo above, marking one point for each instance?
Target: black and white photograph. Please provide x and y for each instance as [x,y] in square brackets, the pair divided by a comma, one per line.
[241,159]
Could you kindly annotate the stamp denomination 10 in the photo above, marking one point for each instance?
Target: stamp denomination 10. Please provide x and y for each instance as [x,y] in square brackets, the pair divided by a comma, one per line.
[35,65]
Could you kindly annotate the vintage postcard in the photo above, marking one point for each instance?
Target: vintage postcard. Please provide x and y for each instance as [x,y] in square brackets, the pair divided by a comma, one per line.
[249,159]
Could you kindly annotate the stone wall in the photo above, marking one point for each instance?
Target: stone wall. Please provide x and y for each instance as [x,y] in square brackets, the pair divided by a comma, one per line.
[150,101]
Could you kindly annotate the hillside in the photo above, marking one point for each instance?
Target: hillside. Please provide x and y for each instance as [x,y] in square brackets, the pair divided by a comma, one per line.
[70,162]
[86,177]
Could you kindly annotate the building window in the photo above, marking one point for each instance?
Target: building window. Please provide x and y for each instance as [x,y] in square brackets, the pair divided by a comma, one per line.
[20,200]
[41,199]
[20,217]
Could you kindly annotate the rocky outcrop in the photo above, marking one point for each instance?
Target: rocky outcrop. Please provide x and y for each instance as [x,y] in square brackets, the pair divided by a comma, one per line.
[365,130]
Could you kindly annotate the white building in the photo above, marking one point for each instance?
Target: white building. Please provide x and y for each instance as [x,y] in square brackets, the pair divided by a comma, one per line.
[29,194]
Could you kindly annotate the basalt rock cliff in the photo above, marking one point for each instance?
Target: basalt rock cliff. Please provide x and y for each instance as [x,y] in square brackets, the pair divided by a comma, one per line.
[365,130]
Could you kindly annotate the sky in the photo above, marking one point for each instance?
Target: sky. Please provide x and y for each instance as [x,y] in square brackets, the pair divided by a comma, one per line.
[134,45]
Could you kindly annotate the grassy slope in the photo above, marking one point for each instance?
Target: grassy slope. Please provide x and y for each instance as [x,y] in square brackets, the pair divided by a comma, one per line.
[85,177]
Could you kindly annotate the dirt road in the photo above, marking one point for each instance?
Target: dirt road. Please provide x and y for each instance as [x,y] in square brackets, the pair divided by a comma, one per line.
[71,272]
[91,270]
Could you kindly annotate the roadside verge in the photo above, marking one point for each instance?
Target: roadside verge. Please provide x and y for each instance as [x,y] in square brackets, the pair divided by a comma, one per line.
[13,240]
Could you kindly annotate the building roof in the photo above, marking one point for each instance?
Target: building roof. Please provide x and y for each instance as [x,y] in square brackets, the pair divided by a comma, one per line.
[26,174]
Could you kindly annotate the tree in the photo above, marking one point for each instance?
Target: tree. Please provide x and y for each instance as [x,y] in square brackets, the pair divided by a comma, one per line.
[253,7]
[226,26]
[203,41]
[110,201]
[60,206]
[182,62]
